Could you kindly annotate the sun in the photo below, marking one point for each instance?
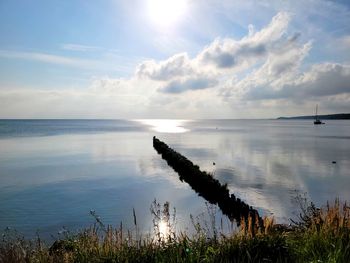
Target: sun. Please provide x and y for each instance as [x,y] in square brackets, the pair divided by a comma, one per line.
[166,13]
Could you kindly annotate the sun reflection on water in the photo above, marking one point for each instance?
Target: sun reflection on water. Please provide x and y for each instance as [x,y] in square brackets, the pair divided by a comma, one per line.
[163,229]
[166,125]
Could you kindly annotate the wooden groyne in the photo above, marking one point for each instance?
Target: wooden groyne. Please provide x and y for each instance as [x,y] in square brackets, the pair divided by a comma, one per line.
[207,186]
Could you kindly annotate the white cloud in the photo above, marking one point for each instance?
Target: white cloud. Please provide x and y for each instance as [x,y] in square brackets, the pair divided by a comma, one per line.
[258,75]
[175,66]
[178,86]
[49,58]
[281,67]
[327,79]
[71,103]
[180,73]
[344,42]
[82,48]
[222,53]
[229,53]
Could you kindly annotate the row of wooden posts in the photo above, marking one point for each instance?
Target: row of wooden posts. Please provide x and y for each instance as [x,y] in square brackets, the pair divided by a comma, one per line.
[207,186]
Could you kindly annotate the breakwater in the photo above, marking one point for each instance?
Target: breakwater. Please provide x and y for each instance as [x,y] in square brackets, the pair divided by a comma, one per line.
[207,186]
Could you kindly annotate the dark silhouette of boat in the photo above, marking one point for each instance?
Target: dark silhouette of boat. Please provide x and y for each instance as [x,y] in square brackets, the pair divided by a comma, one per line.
[317,121]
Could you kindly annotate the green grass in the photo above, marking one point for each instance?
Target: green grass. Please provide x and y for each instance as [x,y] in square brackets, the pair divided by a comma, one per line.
[321,235]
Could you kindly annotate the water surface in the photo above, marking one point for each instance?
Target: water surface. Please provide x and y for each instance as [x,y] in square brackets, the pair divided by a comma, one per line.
[53,172]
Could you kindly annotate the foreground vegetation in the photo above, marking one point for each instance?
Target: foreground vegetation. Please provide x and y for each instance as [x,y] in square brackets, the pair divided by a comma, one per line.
[321,235]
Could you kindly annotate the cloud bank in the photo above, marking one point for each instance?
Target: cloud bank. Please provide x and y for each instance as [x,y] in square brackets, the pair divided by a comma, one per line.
[265,71]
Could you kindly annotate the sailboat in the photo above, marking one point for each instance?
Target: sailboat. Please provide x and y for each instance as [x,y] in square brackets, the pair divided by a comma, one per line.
[317,120]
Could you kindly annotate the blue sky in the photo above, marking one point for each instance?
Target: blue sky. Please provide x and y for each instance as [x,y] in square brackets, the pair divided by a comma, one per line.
[173,59]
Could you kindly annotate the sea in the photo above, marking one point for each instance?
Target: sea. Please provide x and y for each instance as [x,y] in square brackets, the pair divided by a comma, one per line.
[55,173]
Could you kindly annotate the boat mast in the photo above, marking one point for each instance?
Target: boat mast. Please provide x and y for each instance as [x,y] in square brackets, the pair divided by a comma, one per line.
[316,111]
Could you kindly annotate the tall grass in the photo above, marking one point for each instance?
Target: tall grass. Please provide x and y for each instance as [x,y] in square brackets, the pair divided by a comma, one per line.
[324,236]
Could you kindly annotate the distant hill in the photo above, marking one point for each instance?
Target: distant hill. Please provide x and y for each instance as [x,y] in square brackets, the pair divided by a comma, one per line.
[339,116]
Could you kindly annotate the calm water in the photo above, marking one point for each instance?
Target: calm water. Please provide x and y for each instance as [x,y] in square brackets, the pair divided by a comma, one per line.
[53,172]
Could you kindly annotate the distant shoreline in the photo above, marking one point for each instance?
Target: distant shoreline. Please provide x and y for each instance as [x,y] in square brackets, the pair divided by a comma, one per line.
[339,116]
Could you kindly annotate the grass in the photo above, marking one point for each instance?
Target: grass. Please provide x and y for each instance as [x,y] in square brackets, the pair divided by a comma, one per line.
[321,235]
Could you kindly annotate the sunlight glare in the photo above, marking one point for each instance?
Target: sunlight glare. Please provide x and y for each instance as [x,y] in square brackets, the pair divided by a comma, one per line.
[165,13]
[163,229]
[166,125]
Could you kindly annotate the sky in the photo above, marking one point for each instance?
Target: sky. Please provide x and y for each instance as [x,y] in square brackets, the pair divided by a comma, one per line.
[184,59]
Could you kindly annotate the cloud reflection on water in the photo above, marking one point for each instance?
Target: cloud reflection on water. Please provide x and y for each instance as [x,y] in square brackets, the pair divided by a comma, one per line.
[268,165]
[263,163]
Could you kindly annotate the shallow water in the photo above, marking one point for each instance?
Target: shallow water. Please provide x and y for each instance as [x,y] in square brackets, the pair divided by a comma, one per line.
[53,172]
